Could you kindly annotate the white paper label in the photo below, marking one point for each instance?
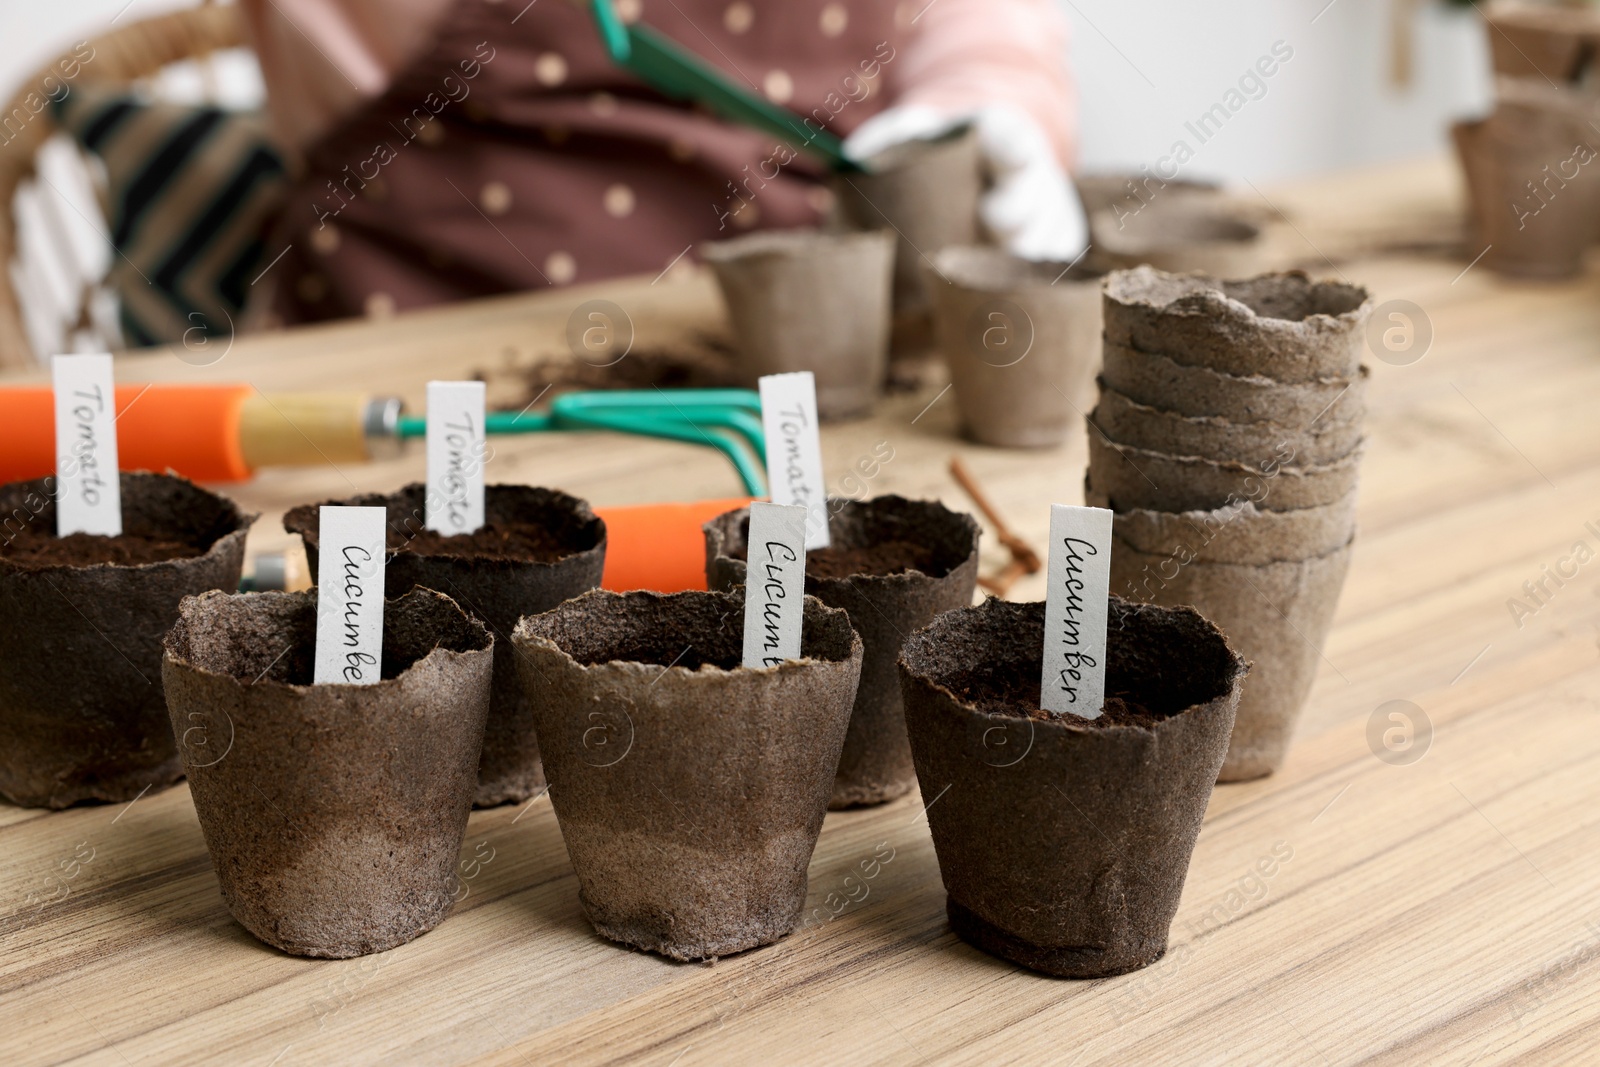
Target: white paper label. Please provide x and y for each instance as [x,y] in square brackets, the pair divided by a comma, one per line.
[88,495]
[774,584]
[350,562]
[794,449]
[456,450]
[1079,573]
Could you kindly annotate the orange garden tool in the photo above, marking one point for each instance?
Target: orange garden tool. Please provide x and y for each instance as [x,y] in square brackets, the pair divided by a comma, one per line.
[225,433]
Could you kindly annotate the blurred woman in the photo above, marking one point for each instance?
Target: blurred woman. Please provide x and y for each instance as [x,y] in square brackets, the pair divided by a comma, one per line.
[458,148]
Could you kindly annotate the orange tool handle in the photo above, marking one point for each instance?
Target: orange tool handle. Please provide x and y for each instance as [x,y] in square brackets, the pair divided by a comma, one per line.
[659,546]
[196,431]
[192,429]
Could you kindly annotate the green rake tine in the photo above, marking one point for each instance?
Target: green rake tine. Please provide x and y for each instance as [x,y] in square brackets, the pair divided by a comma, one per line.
[723,440]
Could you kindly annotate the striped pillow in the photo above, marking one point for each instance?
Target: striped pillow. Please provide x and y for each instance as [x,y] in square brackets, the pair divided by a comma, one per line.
[191,193]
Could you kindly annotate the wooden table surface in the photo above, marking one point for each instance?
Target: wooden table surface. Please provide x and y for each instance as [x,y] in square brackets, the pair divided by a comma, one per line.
[1439,909]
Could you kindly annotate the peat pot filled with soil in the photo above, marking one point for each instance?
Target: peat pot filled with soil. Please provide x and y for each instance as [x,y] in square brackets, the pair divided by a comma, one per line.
[690,790]
[81,620]
[894,565]
[1064,842]
[333,813]
[537,547]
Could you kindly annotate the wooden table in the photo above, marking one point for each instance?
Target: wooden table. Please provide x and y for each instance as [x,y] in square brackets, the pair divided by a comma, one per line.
[1438,911]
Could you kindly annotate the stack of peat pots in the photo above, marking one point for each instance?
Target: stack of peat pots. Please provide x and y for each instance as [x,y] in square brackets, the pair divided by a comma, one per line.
[1227,441]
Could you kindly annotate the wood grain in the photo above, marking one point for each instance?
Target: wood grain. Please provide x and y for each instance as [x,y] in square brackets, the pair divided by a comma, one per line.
[1438,912]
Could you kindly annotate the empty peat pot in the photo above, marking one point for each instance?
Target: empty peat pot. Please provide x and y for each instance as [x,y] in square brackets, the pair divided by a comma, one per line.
[1020,339]
[1064,843]
[1280,326]
[333,813]
[690,790]
[1269,579]
[1179,234]
[926,191]
[81,619]
[1532,185]
[1552,42]
[805,300]
[894,565]
[537,548]
[1126,192]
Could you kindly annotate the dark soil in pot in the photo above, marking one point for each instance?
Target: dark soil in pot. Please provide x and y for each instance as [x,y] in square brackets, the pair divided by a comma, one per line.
[690,790]
[894,565]
[1064,842]
[537,548]
[334,814]
[82,715]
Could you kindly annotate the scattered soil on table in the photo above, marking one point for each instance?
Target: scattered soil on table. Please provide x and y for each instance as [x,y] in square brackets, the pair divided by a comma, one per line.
[38,548]
[1019,698]
[883,558]
[521,541]
[704,362]
[701,361]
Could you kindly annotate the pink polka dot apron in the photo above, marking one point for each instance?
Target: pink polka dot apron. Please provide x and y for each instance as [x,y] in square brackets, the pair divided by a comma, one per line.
[514,155]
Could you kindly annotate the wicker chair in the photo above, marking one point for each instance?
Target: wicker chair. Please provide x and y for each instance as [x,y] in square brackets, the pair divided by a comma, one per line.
[135,51]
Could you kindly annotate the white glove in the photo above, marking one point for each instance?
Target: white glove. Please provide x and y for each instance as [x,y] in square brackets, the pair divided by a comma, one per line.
[1031,208]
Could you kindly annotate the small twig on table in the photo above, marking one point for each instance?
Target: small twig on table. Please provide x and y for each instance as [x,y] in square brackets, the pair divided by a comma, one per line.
[1024,560]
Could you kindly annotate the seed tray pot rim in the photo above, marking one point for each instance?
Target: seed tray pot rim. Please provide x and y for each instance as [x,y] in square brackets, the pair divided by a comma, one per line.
[1202,303]
[242,522]
[905,154]
[1228,230]
[798,242]
[711,529]
[630,666]
[311,594]
[311,535]
[987,269]
[1076,723]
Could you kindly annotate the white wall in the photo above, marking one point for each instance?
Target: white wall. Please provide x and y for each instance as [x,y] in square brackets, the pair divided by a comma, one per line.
[1331,105]
[1145,68]
[34,33]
